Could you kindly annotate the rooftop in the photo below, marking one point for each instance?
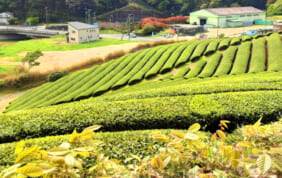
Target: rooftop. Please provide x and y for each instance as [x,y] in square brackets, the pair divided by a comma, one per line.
[234,10]
[80,26]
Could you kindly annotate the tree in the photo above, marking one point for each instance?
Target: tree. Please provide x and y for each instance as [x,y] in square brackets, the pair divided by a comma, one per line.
[31,58]
[14,21]
[32,20]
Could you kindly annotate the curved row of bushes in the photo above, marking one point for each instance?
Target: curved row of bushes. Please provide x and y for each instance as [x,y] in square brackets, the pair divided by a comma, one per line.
[153,113]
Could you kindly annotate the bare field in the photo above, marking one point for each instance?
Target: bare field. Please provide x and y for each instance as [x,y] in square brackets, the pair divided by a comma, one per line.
[60,60]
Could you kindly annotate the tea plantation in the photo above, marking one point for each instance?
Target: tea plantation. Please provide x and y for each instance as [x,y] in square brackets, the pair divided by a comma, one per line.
[165,87]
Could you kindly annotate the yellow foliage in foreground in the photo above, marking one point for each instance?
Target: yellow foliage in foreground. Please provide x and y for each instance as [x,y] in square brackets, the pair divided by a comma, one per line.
[186,154]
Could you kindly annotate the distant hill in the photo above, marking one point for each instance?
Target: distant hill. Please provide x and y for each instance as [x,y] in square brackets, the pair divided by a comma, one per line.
[138,12]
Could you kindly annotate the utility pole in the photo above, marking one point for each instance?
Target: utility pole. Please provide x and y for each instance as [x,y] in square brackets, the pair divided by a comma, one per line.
[86,14]
[46,14]
[94,17]
[89,16]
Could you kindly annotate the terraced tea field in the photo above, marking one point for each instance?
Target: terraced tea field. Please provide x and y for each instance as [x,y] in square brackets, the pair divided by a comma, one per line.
[204,58]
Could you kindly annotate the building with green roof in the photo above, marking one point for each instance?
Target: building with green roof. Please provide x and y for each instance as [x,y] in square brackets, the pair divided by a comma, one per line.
[227,17]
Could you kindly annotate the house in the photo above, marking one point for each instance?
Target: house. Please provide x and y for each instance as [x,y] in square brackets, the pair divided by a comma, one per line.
[5,17]
[82,33]
[227,17]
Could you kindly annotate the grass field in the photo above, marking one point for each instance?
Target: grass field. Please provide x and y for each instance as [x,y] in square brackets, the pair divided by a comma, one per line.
[56,43]
[6,68]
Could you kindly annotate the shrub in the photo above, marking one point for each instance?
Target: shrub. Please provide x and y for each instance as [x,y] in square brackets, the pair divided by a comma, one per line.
[258,58]
[148,29]
[32,20]
[14,21]
[274,46]
[240,65]
[56,75]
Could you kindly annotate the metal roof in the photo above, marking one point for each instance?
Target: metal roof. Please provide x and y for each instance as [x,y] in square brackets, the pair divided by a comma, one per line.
[80,26]
[234,10]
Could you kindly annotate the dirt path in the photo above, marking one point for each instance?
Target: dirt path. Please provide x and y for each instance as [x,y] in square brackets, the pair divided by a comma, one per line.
[60,60]
[5,99]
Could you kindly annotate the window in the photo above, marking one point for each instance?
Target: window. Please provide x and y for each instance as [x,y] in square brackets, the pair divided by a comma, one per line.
[73,31]
[249,15]
[242,15]
[229,16]
[73,39]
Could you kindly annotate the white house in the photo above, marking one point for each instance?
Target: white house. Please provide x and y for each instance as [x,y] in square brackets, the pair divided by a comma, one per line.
[5,17]
[82,33]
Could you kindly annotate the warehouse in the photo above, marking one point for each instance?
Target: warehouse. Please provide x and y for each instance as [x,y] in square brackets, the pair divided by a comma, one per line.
[227,17]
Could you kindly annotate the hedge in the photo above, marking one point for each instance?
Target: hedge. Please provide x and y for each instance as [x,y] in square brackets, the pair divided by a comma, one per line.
[212,47]
[173,58]
[241,62]
[135,70]
[181,73]
[200,50]
[187,53]
[162,60]
[180,86]
[211,66]
[153,113]
[247,38]
[224,44]
[258,58]
[121,73]
[274,46]
[196,69]
[226,62]
[235,41]
[140,75]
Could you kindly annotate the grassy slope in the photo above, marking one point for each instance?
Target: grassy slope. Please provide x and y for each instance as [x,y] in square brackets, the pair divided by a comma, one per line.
[50,45]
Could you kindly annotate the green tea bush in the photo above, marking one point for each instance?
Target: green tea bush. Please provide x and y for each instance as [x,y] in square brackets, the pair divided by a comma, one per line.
[212,47]
[185,56]
[211,66]
[200,50]
[274,46]
[195,71]
[235,41]
[258,58]
[224,44]
[226,62]
[241,62]
[153,113]
[56,75]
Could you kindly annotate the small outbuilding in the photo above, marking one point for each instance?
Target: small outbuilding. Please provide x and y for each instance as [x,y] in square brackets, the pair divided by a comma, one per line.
[5,17]
[227,17]
[82,33]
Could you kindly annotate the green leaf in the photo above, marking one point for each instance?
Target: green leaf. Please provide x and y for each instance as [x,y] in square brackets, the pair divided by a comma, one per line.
[31,171]
[93,128]
[20,147]
[264,163]
[191,136]
[194,128]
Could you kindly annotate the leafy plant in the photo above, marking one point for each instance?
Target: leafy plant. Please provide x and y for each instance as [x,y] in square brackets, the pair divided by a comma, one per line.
[193,154]
[62,161]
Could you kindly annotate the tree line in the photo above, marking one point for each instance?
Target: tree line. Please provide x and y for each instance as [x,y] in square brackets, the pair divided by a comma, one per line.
[64,10]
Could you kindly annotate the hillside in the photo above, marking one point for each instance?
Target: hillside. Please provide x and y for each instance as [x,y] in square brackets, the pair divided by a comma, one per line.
[201,58]
[169,86]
